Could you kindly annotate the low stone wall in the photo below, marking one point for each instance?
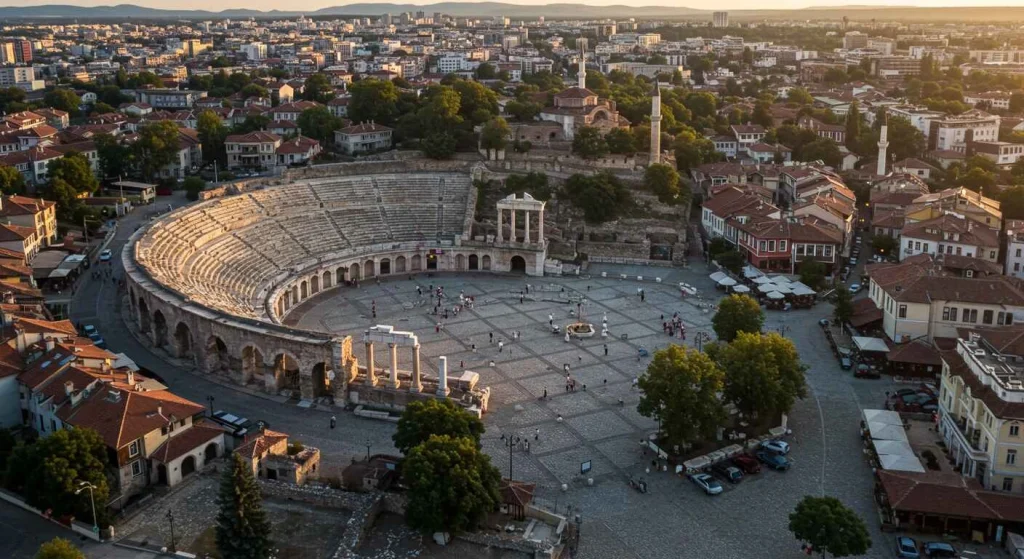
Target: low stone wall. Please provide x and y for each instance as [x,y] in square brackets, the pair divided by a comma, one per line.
[528,548]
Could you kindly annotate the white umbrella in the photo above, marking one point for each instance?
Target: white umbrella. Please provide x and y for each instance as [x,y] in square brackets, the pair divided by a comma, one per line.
[761,280]
[776,295]
[751,272]
[717,276]
[726,282]
[741,289]
[782,288]
[767,288]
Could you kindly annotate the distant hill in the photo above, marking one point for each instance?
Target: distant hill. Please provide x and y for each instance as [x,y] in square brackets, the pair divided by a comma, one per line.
[553,11]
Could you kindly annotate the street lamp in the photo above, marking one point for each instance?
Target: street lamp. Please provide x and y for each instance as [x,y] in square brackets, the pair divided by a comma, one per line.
[701,338]
[367,449]
[170,518]
[783,329]
[82,486]
[210,399]
[508,441]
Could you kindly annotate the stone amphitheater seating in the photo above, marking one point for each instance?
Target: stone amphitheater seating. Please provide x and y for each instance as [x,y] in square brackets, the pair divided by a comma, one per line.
[222,253]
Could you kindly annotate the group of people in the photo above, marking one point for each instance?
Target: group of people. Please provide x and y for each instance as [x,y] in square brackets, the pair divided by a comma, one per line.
[674,327]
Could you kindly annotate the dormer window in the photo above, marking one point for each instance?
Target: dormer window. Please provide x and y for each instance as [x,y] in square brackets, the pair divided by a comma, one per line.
[133,449]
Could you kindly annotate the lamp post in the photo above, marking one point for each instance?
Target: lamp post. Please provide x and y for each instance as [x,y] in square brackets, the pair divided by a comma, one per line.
[701,338]
[170,518]
[367,449]
[782,330]
[211,400]
[85,485]
[508,441]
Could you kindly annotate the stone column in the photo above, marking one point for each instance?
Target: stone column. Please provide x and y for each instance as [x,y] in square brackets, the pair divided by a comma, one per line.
[540,227]
[417,384]
[393,382]
[442,377]
[371,376]
[526,214]
[500,211]
[512,237]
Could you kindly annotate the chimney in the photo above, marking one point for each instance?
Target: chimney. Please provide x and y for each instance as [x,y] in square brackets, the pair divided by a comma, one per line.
[131,376]
[50,344]
[105,366]
[69,388]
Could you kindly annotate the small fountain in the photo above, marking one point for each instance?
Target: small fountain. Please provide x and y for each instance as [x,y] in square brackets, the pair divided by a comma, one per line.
[580,328]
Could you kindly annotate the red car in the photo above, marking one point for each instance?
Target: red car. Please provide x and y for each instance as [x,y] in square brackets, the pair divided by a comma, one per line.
[747,463]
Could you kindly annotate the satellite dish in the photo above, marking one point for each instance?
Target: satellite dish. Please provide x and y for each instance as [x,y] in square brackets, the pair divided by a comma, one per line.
[330,374]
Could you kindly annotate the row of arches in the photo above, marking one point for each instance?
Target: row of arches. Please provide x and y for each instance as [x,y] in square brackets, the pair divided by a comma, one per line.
[247,366]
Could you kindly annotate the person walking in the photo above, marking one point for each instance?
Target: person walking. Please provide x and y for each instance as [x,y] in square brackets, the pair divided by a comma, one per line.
[606,350]
[536,434]
[501,346]
[490,336]
[334,421]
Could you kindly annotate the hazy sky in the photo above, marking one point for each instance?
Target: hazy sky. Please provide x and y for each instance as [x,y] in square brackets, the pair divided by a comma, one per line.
[313,5]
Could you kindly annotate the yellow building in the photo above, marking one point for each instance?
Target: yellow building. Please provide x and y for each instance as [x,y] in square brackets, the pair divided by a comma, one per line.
[970,204]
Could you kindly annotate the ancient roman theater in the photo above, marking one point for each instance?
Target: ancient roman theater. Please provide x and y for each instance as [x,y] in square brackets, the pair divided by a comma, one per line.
[213,282]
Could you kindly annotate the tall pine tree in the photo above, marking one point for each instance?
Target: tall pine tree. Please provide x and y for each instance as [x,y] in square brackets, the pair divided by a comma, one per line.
[853,126]
[243,531]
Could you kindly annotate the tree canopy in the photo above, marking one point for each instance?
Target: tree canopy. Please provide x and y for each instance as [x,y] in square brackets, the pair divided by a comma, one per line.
[737,313]
[495,134]
[423,418]
[11,181]
[373,100]
[452,485]
[242,531]
[318,123]
[601,197]
[589,143]
[829,527]
[663,181]
[763,373]
[156,148]
[680,389]
[59,548]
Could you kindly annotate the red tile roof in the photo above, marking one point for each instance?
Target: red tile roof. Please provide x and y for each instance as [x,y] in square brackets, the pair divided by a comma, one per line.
[129,416]
[187,441]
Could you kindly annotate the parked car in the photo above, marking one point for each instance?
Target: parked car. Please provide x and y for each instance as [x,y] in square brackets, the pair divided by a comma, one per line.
[824,322]
[845,363]
[239,425]
[939,549]
[747,463]
[866,371]
[773,460]
[854,287]
[906,548]
[105,255]
[709,484]
[776,446]
[731,473]
[89,330]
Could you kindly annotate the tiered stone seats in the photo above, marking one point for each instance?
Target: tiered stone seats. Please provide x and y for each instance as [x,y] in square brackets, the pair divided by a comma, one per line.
[408,189]
[235,212]
[286,198]
[314,231]
[353,191]
[362,226]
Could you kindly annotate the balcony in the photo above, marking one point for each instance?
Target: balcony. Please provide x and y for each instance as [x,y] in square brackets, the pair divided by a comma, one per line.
[965,437]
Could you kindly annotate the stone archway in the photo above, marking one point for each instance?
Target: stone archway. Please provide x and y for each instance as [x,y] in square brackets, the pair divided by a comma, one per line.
[339,275]
[188,466]
[295,295]
[384,266]
[286,373]
[368,271]
[144,324]
[321,381]
[217,357]
[303,289]
[517,265]
[327,280]
[474,262]
[353,272]
[417,262]
[210,453]
[460,262]
[252,364]
[159,329]
[314,284]
[183,341]
[487,262]
[399,264]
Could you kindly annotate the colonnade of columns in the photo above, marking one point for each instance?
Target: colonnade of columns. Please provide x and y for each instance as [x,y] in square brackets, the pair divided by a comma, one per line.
[392,380]
[527,213]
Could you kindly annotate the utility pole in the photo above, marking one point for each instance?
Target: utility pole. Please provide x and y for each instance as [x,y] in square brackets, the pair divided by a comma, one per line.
[85,485]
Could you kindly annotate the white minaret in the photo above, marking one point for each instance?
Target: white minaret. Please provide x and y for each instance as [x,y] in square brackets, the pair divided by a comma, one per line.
[883,144]
[656,124]
[583,68]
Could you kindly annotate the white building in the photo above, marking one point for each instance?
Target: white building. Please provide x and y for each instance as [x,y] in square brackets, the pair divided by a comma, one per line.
[720,19]
[950,132]
[363,138]
[255,51]
[1014,248]
[23,77]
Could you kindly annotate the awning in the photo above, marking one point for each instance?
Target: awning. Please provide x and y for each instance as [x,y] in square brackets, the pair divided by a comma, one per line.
[894,462]
[767,287]
[861,318]
[726,282]
[717,276]
[751,272]
[761,280]
[781,279]
[784,288]
[887,432]
[803,290]
[886,417]
[870,344]
[741,289]
[776,295]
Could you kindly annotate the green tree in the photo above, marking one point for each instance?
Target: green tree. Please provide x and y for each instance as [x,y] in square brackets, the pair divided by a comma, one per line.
[523,111]
[762,114]
[478,103]
[853,127]
[495,134]
[904,139]
[452,485]
[884,244]
[423,418]
[243,531]
[732,260]
[212,133]
[844,305]
[59,548]
[373,100]
[620,141]
[7,444]
[63,100]
[75,169]
[763,373]
[319,123]
[193,186]
[717,246]
[799,96]
[11,96]
[439,146]
[255,90]
[11,181]
[812,274]
[692,150]
[737,313]
[663,180]
[829,527]
[486,71]
[318,88]
[156,147]
[701,104]
[535,183]
[680,389]
[601,197]
[252,123]
[1012,199]
[48,472]
[588,143]
[102,108]
[822,149]
[115,159]
[65,196]
[441,111]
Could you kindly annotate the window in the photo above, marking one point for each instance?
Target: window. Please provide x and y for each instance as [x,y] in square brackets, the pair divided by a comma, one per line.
[1011,457]
[133,449]
[137,468]
[1016,266]
[771,246]
[1018,253]
[969,273]
[971,315]
[828,251]
[1007,484]
[958,250]
[925,247]
[952,313]
[910,245]
[986,317]
[1014,430]
[762,245]
[782,246]
[992,255]
[903,311]
[945,313]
